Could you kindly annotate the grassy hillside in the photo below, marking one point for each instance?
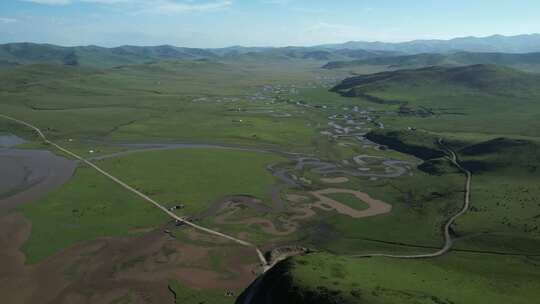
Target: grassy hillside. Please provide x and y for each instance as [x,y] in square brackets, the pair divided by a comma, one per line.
[484,78]
[101,57]
[28,53]
[456,278]
[505,215]
[94,56]
[356,60]
[478,99]
[496,252]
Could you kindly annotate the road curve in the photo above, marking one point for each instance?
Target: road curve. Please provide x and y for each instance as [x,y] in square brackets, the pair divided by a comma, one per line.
[260,255]
[448,241]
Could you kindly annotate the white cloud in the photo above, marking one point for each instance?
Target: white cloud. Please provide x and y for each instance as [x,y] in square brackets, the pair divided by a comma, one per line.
[168,6]
[151,6]
[7,20]
[278,2]
[50,2]
[65,2]
[107,1]
[309,10]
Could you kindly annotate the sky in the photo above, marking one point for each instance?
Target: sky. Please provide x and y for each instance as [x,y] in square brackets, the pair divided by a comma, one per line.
[221,23]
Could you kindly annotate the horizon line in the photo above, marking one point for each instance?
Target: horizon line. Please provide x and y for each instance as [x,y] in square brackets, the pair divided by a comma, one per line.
[276,47]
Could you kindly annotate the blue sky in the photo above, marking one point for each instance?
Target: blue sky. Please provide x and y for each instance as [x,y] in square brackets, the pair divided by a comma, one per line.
[218,23]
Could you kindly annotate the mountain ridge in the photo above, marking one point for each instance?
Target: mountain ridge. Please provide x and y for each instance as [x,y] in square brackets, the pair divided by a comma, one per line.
[97,56]
[526,43]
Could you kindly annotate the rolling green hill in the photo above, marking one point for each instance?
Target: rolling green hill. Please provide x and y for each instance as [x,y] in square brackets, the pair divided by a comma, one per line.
[456,278]
[476,101]
[482,78]
[28,53]
[488,114]
[95,56]
[496,246]
[499,155]
[101,57]
[356,59]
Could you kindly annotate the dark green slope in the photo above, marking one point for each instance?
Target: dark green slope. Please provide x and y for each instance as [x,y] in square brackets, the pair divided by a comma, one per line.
[485,78]
[28,53]
[395,61]
[452,279]
[94,56]
[508,155]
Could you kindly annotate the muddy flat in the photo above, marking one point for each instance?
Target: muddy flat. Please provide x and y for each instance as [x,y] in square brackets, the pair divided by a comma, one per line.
[334,180]
[106,269]
[28,175]
[376,207]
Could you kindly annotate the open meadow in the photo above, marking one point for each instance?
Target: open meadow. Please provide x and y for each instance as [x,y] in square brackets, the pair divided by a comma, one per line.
[267,153]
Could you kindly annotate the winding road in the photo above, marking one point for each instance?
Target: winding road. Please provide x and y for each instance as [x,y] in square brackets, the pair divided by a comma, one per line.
[252,290]
[317,165]
[448,241]
[260,255]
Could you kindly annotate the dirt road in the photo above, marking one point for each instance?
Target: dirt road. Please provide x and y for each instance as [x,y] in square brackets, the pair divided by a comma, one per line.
[448,241]
[140,194]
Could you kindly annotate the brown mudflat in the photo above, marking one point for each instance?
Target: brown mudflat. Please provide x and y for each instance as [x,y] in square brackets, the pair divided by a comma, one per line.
[28,175]
[376,207]
[107,269]
[334,180]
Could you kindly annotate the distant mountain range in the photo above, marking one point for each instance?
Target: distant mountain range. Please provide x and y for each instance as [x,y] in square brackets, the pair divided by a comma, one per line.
[459,51]
[94,56]
[496,43]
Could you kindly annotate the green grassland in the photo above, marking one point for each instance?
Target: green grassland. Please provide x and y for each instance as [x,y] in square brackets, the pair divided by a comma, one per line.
[91,206]
[157,102]
[183,294]
[495,255]
[477,99]
[420,204]
[196,177]
[87,207]
[504,213]
[210,101]
[455,278]
[496,137]
[349,200]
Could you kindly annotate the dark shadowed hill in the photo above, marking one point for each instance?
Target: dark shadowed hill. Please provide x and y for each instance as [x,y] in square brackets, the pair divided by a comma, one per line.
[486,78]
[28,53]
[508,154]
